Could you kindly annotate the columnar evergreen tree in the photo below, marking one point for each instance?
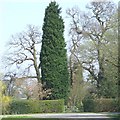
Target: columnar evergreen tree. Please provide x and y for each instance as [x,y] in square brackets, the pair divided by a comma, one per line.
[54,69]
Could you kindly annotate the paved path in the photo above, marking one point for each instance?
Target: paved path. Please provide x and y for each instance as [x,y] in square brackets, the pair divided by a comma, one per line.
[89,116]
[73,115]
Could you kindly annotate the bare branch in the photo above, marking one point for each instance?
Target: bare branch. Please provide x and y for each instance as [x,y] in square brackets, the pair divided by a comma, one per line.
[23,51]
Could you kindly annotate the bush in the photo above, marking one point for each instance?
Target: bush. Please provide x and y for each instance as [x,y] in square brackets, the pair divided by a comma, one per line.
[71,109]
[20,107]
[88,105]
[51,106]
[100,105]
[35,106]
[74,109]
[4,100]
[106,105]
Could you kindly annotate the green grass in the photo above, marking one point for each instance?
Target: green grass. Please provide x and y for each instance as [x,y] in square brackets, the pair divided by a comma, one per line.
[54,119]
[19,117]
[30,118]
[114,116]
[27,118]
[16,117]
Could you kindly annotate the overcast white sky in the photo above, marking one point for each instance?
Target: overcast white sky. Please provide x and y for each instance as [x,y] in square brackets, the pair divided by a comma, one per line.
[16,14]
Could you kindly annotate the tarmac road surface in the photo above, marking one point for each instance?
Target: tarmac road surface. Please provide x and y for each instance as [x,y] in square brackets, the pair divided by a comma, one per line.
[73,116]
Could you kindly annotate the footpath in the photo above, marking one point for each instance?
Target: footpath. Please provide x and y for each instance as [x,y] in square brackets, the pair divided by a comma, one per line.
[73,116]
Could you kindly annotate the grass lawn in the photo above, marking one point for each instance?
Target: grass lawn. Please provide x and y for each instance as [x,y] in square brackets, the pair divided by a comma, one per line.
[26,118]
[14,117]
[115,116]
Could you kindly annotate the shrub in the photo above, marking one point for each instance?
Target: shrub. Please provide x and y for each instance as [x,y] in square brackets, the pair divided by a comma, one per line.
[106,105]
[74,109]
[5,104]
[19,107]
[100,105]
[88,105]
[71,109]
[4,100]
[35,106]
[50,106]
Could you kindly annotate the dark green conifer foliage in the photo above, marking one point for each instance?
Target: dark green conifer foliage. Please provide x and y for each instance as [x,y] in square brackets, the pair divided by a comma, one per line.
[53,58]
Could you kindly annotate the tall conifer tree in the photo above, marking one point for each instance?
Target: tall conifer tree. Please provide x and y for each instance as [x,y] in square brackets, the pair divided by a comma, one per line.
[54,69]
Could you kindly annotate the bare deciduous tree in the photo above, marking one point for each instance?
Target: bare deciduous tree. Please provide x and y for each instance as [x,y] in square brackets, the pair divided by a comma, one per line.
[23,55]
[88,33]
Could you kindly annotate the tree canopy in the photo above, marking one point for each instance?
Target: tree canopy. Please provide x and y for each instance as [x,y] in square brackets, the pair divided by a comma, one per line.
[53,57]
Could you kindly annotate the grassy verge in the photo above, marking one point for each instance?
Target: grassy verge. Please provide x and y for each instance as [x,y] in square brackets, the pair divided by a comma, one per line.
[114,116]
[16,117]
[25,118]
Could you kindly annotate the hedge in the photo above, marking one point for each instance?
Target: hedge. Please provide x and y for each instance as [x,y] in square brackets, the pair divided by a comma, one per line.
[100,105]
[88,105]
[36,106]
[51,106]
